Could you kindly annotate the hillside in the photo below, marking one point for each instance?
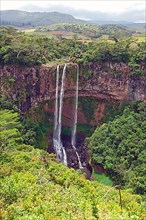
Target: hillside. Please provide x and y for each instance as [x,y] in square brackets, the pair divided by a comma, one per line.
[90,29]
[67,25]
[136,26]
[120,146]
[99,87]
[29,19]
[33,185]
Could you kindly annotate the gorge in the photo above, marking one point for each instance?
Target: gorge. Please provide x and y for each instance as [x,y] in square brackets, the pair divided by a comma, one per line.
[33,85]
[72,119]
[107,85]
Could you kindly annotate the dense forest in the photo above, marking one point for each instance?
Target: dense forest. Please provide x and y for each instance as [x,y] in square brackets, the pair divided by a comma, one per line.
[120,146]
[20,48]
[33,184]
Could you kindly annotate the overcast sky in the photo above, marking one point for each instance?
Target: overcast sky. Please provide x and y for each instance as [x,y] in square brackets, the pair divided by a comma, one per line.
[125,10]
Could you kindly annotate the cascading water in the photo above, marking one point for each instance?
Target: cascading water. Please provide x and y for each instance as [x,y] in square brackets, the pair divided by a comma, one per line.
[74,129]
[60,115]
[55,133]
[60,151]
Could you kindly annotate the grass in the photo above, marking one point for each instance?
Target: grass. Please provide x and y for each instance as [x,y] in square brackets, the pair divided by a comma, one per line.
[29,30]
[47,34]
[52,34]
[35,186]
[141,38]
[103,179]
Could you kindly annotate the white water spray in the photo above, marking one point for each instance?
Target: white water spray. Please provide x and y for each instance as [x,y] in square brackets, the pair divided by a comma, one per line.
[73,139]
[55,133]
[60,151]
[60,115]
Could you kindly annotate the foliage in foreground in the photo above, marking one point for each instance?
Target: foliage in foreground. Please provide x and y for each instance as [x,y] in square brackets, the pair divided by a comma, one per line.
[33,185]
[120,145]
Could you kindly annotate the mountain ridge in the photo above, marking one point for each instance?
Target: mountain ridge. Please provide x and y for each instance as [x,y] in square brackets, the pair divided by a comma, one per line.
[24,18]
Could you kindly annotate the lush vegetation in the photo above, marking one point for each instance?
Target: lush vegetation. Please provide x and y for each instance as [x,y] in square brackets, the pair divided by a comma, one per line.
[91,30]
[85,104]
[33,185]
[120,146]
[37,129]
[125,51]
[103,178]
[20,48]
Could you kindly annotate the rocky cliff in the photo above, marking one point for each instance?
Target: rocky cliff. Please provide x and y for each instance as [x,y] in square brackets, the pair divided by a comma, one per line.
[108,83]
[99,86]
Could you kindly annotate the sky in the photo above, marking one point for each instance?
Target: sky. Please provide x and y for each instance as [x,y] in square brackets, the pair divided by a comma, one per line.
[118,10]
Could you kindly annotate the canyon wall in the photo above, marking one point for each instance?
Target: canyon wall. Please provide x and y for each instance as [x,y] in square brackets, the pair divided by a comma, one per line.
[100,88]
[106,83]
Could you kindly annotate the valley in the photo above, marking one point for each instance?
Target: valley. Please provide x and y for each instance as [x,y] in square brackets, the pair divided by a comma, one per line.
[72,118]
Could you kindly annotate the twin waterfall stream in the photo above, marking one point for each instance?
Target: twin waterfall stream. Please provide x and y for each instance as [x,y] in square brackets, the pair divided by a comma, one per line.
[58,145]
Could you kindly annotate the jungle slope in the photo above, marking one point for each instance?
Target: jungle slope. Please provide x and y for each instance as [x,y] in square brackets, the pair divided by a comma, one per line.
[120,146]
[33,185]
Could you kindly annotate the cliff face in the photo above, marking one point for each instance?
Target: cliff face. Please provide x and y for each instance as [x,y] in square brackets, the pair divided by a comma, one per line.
[105,86]
[113,83]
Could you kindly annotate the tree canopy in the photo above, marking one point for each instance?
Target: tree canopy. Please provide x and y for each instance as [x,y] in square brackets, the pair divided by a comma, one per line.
[19,48]
[34,185]
[120,146]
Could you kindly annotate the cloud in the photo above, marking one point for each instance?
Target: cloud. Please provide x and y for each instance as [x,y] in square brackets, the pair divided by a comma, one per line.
[131,14]
[135,15]
[32,8]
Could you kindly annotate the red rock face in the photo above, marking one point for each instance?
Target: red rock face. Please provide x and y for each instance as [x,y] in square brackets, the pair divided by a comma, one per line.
[33,85]
[68,110]
[99,113]
[81,117]
[37,84]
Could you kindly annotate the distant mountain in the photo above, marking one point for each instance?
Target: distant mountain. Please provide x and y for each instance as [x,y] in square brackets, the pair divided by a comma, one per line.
[103,22]
[130,25]
[22,18]
[137,26]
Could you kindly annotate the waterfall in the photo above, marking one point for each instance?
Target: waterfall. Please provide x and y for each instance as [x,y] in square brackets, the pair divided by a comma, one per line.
[74,129]
[60,151]
[60,115]
[55,133]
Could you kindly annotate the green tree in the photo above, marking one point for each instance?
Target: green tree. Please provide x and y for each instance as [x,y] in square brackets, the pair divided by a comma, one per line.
[120,146]
[10,136]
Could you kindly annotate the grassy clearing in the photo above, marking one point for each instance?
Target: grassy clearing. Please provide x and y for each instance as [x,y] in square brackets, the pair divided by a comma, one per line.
[46,34]
[29,30]
[103,179]
[54,34]
[141,38]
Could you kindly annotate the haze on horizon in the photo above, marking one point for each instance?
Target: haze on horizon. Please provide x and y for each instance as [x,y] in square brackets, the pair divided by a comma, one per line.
[125,10]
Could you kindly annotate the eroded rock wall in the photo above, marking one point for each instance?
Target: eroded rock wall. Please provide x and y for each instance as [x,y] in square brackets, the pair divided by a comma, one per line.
[107,83]
[105,86]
